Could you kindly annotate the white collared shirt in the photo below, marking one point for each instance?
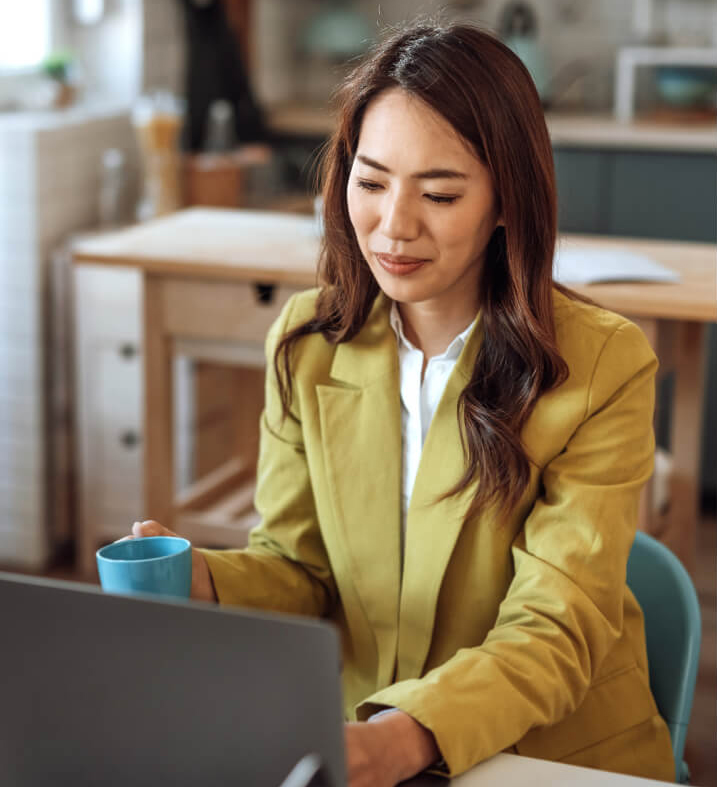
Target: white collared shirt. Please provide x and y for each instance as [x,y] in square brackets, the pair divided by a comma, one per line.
[419,398]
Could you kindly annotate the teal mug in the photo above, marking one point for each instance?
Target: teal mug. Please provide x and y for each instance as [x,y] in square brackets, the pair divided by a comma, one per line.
[160,565]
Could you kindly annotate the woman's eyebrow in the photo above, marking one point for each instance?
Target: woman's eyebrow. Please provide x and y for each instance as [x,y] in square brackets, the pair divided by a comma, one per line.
[424,175]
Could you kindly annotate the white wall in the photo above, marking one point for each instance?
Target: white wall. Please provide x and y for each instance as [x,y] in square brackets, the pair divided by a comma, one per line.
[137,46]
[110,51]
[49,177]
[50,165]
[21,418]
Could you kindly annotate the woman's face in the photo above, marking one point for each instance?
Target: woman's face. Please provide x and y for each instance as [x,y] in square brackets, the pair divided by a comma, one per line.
[421,203]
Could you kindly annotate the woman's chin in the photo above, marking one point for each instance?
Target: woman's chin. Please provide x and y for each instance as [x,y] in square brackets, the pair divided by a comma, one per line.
[404,289]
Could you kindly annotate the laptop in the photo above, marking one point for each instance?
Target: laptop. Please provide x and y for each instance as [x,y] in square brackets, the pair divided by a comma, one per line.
[119,690]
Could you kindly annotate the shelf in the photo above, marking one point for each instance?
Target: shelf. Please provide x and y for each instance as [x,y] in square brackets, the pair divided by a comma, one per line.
[669,55]
[629,58]
[219,508]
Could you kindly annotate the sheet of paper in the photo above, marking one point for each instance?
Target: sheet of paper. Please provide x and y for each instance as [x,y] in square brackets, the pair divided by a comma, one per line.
[588,266]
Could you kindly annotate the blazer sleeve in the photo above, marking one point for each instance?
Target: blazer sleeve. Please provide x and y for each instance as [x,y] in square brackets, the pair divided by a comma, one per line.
[285,568]
[564,607]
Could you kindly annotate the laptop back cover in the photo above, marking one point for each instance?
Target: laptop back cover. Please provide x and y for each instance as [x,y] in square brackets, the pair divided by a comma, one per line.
[114,690]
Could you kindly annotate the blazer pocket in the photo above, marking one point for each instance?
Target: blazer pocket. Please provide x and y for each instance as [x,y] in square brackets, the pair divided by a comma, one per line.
[613,705]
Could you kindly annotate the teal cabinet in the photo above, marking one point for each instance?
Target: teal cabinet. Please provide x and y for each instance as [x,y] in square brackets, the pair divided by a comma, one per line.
[583,186]
[647,194]
[663,195]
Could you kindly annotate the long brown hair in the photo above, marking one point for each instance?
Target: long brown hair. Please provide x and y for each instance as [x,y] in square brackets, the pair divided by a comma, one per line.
[484,91]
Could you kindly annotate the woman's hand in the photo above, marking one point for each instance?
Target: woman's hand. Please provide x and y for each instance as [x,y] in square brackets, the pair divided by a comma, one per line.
[202,585]
[387,750]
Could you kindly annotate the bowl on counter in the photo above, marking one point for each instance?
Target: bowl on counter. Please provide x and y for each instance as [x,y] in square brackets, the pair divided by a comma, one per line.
[687,86]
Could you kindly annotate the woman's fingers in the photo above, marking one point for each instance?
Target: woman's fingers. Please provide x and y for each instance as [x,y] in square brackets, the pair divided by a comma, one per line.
[150,528]
[202,584]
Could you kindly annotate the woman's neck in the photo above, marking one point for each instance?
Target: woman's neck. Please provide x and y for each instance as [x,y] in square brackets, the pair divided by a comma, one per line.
[430,328]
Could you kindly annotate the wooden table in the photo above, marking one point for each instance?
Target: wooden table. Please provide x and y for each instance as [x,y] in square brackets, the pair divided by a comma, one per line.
[214,281]
[511,770]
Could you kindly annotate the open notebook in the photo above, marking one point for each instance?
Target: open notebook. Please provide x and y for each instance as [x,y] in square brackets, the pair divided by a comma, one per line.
[579,265]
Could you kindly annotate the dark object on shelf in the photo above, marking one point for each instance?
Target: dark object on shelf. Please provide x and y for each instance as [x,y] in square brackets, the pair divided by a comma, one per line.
[215,71]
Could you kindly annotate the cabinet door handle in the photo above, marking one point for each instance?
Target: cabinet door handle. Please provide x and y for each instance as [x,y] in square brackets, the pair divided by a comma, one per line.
[264,292]
[129,439]
[128,350]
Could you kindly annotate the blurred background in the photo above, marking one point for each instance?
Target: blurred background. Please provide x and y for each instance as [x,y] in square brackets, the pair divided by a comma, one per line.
[113,112]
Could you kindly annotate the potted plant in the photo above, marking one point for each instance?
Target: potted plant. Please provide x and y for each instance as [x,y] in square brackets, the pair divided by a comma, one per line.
[59,67]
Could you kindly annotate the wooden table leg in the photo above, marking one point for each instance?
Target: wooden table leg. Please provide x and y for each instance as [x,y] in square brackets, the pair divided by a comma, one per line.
[686,438]
[680,347]
[158,408]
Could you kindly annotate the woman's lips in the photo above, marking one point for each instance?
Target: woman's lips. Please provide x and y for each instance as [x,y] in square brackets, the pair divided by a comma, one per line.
[398,265]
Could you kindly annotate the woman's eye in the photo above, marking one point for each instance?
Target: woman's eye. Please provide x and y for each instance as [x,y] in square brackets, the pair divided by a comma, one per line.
[368,185]
[441,199]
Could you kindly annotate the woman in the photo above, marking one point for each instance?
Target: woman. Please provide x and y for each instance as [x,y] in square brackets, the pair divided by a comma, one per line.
[452,446]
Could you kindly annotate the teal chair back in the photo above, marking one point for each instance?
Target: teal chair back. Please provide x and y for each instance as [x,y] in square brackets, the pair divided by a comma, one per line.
[673,629]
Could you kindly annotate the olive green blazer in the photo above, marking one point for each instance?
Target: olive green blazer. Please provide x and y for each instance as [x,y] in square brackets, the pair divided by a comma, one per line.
[497,633]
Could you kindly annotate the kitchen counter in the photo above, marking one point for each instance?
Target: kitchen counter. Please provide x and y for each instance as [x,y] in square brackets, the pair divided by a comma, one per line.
[77,114]
[604,131]
[569,129]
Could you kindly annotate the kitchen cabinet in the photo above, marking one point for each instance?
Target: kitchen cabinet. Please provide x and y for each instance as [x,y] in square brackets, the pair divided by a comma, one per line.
[637,193]
[663,195]
[582,189]
[109,407]
[108,386]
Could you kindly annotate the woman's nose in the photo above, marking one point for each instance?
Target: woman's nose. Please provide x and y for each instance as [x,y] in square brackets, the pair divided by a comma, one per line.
[399,221]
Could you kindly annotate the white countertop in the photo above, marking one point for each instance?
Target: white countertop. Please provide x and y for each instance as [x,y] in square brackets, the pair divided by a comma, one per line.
[77,114]
[604,131]
[568,129]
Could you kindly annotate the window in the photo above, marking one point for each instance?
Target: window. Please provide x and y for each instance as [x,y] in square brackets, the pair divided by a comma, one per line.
[24,34]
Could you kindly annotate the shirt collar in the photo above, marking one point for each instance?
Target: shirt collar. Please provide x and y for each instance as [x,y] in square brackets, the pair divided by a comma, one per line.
[452,351]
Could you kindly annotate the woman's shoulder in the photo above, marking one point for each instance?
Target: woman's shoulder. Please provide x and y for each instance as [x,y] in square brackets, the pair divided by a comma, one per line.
[300,308]
[572,313]
[312,349]
[584,331]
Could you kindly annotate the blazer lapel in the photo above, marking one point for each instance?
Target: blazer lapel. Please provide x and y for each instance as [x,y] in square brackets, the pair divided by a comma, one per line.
[361,433]
[433,526]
